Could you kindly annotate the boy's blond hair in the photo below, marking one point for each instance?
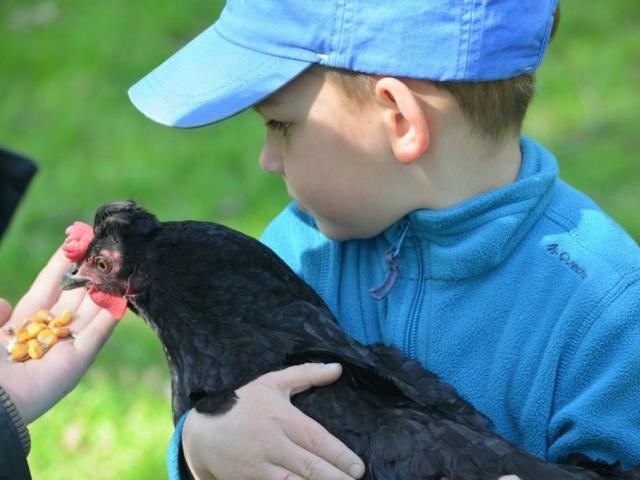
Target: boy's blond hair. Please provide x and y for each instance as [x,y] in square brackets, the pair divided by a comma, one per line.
[493,108]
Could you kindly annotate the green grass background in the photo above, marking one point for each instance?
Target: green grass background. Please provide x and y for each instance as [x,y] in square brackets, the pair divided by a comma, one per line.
[65,67]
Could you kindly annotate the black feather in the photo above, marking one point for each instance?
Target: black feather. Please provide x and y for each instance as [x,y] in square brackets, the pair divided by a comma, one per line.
[228,310]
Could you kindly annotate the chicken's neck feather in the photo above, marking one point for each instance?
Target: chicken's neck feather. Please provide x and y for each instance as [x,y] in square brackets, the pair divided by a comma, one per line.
[215,307]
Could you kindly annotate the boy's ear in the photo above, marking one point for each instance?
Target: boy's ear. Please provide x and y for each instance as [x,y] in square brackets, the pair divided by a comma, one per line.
[404,119]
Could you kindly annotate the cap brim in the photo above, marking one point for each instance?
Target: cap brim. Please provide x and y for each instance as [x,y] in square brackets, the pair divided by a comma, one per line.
[210,79]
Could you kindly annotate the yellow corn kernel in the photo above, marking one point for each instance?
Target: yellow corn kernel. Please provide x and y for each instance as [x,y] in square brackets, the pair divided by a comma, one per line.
[19,352]
[24,337]
[34,328]
[63,319]
[47,338]
[23,326]
[34,349]
[61,332]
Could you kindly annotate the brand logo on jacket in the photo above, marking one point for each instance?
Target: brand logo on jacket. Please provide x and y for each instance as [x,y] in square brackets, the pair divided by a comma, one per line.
[565,258]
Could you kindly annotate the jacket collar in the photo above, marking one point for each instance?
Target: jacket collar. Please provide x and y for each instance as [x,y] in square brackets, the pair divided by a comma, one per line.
[476,235]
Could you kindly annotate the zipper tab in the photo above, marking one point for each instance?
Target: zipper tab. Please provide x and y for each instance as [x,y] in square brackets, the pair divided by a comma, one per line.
[391,258]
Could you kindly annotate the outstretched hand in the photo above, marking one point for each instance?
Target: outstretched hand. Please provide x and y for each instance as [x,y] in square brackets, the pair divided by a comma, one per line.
[264,436]
[36,385]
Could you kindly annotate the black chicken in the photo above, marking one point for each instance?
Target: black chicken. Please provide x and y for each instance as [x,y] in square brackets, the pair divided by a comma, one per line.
[228,310]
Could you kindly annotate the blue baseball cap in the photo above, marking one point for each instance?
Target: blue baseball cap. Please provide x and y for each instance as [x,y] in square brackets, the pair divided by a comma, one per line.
[258,46]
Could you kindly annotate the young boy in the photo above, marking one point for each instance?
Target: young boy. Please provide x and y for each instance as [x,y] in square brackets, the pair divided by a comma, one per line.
[422,218]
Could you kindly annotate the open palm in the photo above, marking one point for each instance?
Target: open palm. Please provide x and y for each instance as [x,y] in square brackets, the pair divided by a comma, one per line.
[37,385]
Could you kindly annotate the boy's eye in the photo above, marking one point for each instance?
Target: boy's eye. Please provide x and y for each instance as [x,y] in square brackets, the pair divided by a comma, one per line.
[280,127]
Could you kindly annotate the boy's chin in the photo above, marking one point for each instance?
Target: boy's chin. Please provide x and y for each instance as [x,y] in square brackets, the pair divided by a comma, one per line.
[341,233]
[336,231]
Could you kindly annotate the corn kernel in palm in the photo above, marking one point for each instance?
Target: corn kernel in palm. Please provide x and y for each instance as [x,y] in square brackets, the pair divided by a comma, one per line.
[22,327]
[61,321]
[61,332]
[34,349]
[64,318]
[44,332]
[24,337]
[34,328]
[47,338]
[19,352]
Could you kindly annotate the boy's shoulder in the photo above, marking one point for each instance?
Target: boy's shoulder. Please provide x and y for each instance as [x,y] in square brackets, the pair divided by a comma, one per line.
[585,226]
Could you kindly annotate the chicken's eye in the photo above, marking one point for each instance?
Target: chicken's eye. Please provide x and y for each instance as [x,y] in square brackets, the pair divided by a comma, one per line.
[103,264]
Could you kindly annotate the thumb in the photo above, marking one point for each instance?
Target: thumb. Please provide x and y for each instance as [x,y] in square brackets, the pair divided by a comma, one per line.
[299,378]
[5,311]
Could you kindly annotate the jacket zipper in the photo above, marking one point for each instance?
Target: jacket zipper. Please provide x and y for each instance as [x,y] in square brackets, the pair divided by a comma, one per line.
[411,332]
[391,258]
[380,292]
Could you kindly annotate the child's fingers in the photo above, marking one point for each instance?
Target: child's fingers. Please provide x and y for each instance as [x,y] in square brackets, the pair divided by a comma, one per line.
[275,472]
[45,290]
[47,284]
[318,442]
[82,308]
[307,465]
[306,432]
[69,300]
[5,315]
[5,311]
[299,378]
[91,338]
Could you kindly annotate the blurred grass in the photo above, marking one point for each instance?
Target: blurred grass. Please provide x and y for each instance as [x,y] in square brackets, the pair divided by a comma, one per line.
[65,67]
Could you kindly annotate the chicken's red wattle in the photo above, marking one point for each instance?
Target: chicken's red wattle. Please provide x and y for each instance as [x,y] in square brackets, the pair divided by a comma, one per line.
[114,304]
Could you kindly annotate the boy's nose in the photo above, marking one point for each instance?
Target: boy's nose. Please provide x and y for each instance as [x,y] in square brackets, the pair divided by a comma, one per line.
[271,158]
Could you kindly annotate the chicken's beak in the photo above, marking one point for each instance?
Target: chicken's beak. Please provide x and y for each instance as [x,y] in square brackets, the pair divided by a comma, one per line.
[70,281]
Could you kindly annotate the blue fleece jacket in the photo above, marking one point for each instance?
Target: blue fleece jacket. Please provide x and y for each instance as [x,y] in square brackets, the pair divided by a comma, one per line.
[526,299]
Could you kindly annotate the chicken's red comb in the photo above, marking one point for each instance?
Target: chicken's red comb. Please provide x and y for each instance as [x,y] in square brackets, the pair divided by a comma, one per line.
[79,236]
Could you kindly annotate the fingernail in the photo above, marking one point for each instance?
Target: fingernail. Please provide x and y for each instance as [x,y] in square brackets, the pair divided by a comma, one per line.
[332,366]
[356,470]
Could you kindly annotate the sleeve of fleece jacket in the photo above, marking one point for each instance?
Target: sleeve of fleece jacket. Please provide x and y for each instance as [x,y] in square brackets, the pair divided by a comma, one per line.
[597,400]
[290,234]
[13,462]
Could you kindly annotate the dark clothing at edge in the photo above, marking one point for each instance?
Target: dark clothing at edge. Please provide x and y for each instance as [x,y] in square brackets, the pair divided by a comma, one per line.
[15,174]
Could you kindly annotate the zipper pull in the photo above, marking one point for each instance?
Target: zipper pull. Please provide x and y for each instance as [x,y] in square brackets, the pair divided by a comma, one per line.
[391,258]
